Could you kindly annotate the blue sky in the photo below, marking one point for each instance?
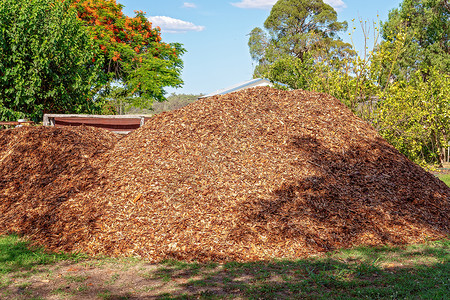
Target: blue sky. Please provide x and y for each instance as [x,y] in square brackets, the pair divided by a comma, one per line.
[215,34]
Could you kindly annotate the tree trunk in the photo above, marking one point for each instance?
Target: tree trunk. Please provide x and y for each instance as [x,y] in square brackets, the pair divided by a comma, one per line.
[439,148]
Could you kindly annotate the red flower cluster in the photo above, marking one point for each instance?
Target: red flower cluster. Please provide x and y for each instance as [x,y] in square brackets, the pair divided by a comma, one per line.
[119,36]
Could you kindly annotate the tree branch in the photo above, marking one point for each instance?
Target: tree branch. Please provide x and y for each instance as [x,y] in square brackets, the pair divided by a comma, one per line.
[446,5]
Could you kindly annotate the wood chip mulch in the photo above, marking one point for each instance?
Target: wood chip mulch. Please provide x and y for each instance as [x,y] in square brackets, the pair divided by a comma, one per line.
[42,169]
[251,175]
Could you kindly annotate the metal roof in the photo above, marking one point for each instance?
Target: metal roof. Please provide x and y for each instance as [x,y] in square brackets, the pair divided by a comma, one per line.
[240,86]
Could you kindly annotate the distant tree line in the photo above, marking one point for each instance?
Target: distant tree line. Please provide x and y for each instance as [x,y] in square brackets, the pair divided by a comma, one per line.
[174,101]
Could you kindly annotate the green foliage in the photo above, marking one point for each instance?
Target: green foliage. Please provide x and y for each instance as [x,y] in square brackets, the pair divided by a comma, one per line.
[300,29]
[352,79]
[293,72]
[427,24]
[299,26]
[260,51]
[133,53]
[144,80]
[147,76]
[415,116]
[351,82]
[174,101]
[62,57]
[47,60]
[117,99]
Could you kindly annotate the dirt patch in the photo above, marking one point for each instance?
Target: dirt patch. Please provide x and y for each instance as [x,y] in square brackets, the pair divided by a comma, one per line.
[251,175]
[92,279]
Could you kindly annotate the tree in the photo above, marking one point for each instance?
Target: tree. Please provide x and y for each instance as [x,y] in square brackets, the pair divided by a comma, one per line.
[134,55]
[299,29]
[174,101]
[427,27]
[47,60]
[303,51]
[415,116]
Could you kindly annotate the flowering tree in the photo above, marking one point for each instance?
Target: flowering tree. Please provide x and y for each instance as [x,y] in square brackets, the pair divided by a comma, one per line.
[132,51]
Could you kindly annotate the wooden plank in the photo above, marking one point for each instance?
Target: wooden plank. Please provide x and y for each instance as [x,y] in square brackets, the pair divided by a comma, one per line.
[97,116]
[121,124]
[93,121]
[115,124]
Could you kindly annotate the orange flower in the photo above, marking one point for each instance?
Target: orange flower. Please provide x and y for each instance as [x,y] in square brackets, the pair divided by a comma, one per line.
[116,56]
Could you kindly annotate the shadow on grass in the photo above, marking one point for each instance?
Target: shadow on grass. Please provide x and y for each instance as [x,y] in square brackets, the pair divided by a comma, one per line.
[415,272]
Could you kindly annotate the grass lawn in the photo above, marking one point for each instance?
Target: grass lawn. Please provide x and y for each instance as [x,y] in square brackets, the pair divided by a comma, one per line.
[445,178]
[412,272]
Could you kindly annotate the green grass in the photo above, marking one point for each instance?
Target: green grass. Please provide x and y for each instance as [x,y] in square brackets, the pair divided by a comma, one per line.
[17,255]
[412,272]
[76,278]
[445,178]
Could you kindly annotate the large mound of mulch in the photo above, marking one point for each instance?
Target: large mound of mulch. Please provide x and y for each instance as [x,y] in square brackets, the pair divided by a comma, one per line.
[41,169]
[255,174]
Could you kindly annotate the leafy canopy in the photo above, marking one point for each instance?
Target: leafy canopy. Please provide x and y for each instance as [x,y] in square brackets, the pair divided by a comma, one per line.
[415,116]
[415,112]
[132,50]
[300,29]
[427,26]
[47,60]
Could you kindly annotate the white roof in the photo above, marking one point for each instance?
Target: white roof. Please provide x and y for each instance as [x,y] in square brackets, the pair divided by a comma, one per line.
[240,86]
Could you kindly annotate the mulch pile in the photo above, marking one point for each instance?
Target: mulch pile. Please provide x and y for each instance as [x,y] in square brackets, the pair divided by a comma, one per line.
[41,170]
[251,175]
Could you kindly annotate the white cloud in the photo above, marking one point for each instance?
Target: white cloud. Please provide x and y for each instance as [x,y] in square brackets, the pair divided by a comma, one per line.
[171,25]
[336,4]
[266,4]
[261,4]
[189,5]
